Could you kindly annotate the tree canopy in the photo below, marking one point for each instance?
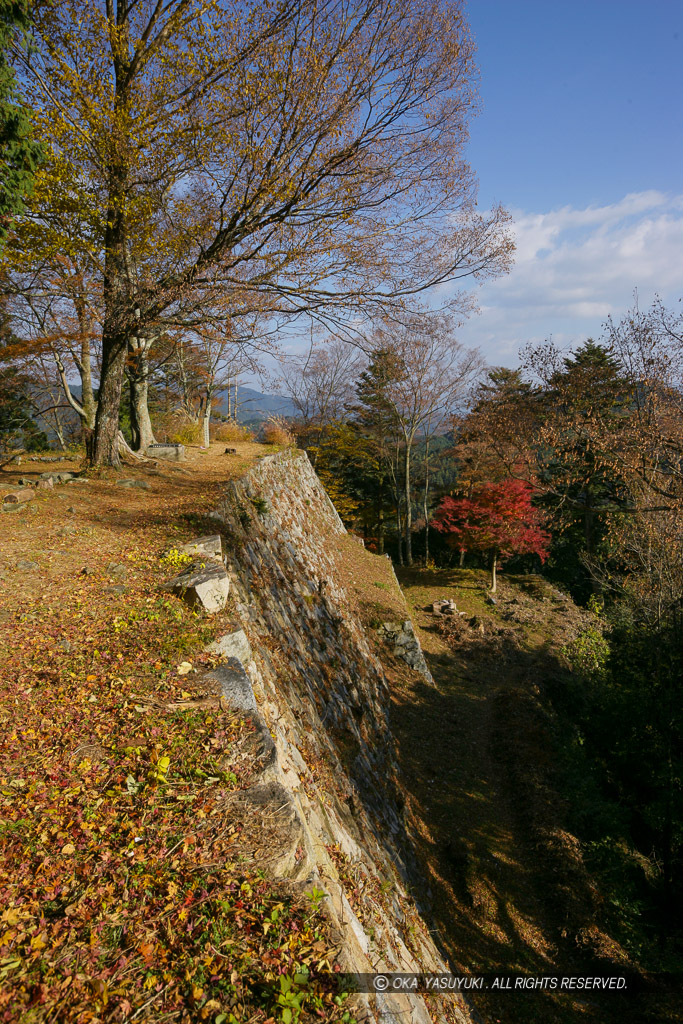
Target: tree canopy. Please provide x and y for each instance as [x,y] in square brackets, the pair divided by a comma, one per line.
[303,157]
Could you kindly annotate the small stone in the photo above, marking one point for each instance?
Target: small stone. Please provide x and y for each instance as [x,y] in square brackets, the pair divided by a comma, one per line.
[491,600]
[117,569]
[26,566]
[87,570]
[116,589]
[45,485]
[230,451]
[78,480]
[67,531]
[65,646]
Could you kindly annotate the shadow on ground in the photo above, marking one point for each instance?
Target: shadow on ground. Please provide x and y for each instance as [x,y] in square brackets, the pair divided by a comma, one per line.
[509,889]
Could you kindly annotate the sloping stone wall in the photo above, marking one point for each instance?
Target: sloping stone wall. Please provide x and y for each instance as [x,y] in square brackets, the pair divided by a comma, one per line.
[321,695]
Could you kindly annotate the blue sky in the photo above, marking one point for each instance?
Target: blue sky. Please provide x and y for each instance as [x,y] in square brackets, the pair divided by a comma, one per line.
[580,135]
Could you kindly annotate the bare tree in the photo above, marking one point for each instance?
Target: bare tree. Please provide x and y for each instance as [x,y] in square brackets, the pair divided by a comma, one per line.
[320,384]
[205,363]
[303,156]
[432,376]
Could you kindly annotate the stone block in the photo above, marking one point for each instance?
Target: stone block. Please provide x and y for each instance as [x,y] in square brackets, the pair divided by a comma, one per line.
[170,452]
[235,685]
[210,546]
[204,585]
[233,645]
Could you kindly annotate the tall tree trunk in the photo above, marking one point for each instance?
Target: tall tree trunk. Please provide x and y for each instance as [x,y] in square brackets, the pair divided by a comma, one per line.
[106,440]
[462,557]
[206,420]
[88,401]
[408,516]
[494,559]
[589,537]
[141,424]
[399,530]
[59,431]
[380,518]
[425,505]
[117,287]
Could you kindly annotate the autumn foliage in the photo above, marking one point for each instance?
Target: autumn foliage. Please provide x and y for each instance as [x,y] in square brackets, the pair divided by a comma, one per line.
[497,519]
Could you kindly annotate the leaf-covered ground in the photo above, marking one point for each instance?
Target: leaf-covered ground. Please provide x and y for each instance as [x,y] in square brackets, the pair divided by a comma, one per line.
[122,889]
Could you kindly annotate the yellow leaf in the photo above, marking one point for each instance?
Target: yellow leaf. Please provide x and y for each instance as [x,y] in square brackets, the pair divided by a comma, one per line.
[68,850]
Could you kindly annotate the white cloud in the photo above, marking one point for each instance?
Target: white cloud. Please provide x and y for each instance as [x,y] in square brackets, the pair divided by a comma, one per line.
[574,268]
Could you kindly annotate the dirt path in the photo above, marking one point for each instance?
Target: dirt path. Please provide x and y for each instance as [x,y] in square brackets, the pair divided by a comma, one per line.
[456,744]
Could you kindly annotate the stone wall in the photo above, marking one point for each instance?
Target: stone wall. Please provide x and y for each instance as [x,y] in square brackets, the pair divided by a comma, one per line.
[329,776]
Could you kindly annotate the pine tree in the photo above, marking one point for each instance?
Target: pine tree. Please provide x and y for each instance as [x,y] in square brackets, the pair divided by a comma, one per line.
[20,154]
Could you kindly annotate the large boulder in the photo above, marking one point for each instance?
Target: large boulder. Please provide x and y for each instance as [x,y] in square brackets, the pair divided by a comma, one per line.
[203,585]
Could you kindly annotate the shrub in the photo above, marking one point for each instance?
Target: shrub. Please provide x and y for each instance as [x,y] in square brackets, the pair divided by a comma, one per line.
[276,431]
[177,428]
[231,431]
[189,433]
[588,652]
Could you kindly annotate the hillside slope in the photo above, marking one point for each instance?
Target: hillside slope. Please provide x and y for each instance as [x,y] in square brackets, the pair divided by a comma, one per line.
[495,778]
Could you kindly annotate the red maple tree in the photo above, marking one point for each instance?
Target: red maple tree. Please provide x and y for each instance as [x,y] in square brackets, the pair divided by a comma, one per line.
[498,519]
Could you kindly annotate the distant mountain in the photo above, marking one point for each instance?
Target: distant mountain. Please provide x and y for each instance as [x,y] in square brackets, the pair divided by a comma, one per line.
[254,406]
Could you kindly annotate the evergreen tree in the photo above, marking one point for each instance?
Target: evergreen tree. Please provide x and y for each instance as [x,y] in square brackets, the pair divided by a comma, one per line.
[19,152]
[588,390]
[375,418]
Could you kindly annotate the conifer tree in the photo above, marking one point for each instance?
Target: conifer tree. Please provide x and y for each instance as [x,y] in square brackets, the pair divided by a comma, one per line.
[19,152]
